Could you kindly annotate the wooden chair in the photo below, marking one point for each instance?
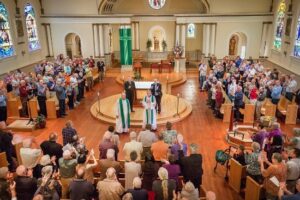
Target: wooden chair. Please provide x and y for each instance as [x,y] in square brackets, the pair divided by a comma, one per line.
[155,66]
[253,189]
[3,160]
[226,108]
[236,173]
[33,107]
[95,74]
[269,109]
[17,147]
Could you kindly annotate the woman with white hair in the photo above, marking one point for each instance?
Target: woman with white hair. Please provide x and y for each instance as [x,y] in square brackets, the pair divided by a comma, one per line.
[163,188]
[137,192]
[189,191]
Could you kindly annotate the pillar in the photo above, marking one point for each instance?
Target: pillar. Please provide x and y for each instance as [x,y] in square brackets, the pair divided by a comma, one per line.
[137,36]
[212,39]
[106,39]
[183,37]
[207,49]
[177,35]
[263,40]
[204,40]
[96,40]
[49,39]
[101,40]
[133,35]
[268,39]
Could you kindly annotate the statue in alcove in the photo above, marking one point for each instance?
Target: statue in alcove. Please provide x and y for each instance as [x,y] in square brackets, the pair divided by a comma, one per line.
[156,44]
[232,46]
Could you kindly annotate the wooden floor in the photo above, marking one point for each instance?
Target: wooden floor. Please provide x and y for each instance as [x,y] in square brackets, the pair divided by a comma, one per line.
[200,127]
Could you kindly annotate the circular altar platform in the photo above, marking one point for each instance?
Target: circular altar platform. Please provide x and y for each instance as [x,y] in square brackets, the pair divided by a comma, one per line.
[168,113]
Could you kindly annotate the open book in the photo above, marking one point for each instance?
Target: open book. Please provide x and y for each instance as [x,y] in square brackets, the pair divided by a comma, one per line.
[275,181]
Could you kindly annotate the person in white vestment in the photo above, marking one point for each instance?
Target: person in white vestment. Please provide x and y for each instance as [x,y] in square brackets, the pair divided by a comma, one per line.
[149,115]
[123,114]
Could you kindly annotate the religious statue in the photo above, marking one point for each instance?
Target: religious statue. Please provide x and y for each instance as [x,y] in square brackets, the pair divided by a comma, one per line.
[156,44]
[232,45]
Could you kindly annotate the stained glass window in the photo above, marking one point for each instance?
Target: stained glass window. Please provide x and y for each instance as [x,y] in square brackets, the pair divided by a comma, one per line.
[297,42]
[6,45]
[279,25]
[191,31]
[32,33]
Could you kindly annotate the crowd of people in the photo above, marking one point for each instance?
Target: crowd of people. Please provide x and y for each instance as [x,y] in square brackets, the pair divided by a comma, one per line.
[274,160]
[244,77]
[153,167]
[64,78]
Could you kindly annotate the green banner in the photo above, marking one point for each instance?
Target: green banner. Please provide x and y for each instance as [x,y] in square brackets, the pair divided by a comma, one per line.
[125,46]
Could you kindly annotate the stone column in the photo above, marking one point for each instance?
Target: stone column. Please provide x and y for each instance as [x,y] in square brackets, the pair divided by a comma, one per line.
[204,40]
[177,35]
[212,39]
[263,40]
[183,37]
[101,41]
[133,35]
[106,39]
[137,36]
[208,36]
[96,40]
[268,39]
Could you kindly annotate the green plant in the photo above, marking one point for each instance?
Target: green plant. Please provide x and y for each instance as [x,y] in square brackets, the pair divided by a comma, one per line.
[149,44]
[164,45]
[40,121]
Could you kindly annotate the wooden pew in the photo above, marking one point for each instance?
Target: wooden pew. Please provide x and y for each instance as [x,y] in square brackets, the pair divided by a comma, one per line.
[13,108]
[268,108]
[253,189]
[288,109]
[236,173]
[226,108]
[51,108]
[202,195]
[3,160]
[248,111]
[33,107]
[17,147]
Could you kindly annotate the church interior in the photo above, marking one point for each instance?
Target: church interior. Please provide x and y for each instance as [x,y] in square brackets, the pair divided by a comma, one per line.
[194,99]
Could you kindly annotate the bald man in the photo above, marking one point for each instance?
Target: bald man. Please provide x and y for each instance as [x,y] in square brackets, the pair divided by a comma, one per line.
[80,188]
[51,147]
[25,184]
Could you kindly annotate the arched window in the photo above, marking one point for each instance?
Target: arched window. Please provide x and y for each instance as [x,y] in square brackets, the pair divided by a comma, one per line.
[191,31]
[297,42]
[32,33]
[279,25]
[6,45]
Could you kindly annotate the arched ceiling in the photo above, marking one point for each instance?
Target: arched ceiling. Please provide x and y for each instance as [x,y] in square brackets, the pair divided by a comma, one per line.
[141,7]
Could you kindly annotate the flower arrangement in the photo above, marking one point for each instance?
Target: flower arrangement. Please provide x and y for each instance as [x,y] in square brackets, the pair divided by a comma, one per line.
[149,44]
[164,45]
[40,121]
[178,50]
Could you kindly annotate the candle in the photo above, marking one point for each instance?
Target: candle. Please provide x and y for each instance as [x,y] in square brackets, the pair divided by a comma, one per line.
[98,93]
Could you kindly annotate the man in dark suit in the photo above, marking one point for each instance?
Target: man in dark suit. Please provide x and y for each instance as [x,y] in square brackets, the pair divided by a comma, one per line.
[156,91]
[191,166]
[51,147]
[129,87]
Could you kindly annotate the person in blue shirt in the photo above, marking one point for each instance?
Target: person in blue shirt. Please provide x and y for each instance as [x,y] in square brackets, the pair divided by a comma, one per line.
[3,106]
[238,102]
[276,92]
[290,195]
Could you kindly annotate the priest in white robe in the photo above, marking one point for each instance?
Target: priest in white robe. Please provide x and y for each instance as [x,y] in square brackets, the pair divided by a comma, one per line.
[123,114]
[149,115]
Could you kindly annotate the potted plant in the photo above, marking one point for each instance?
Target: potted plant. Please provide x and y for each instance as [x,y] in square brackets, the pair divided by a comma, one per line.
[149,44]
[40,121]
[164,45]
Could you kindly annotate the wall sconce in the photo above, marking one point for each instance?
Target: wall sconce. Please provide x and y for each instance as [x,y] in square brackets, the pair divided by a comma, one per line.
[23,53]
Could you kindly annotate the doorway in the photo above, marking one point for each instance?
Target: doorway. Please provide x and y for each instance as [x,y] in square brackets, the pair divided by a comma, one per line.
[238,45]
[73,45]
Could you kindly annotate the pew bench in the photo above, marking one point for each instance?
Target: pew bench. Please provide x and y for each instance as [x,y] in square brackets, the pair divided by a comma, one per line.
[226,108]
[237,172]
[52,108]
[95,74]
[288,109]
[253,189]
[3,160]
[14,107]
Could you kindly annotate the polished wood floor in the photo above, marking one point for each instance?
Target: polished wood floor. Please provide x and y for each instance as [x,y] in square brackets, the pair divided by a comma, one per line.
[200,127]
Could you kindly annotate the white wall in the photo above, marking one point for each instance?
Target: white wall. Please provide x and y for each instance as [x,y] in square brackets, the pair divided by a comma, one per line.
[19,60]
[253,31]
[285,57]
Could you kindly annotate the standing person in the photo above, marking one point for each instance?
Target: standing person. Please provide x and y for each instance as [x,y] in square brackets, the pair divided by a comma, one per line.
[3,106]
[202,74]
[23,90]
[41,97]
[61,96]
[156,91]
[149,117]
[291,88]
[260,100]
[163,188]
[129,87]
[238,102]
[132,170]
[276,92]
[101,70]
[123,114]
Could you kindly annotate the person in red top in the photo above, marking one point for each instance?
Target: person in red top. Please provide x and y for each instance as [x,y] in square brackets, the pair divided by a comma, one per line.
[23,97]
[91,62]
[219,100]
[253,95]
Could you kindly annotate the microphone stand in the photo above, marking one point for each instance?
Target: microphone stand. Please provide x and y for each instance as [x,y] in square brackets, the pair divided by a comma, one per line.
[98,110]
[29,113]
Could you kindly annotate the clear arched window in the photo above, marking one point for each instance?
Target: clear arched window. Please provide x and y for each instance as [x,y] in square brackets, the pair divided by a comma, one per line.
[297,42]
[31,28]
[191,31]
[6,45]
[279,25]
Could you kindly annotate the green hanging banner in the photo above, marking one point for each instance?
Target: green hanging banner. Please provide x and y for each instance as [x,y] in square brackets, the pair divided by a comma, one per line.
[125,47]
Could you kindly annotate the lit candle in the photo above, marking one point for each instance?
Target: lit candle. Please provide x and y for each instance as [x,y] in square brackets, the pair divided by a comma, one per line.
[98,93]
